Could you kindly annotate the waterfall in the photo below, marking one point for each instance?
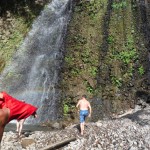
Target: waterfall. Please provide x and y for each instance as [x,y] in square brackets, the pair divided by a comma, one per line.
[33,73]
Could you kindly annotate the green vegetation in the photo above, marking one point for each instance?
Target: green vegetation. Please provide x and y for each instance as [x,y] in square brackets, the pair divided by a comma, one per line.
[16,19]
[10,43]
[82,55]
[66,109]
[103,56]
[130,53]
[94,71]
[116,81]
[101,51]
[122,46]
[119,5]
[128,56]
[110,39]
[141,70]
[89,88]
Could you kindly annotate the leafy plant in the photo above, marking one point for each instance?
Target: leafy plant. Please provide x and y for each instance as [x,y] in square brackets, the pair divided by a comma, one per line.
[116,81]
[127,56]
[66,109]
[119,5]
[93,71]
[80,39]
[69,59]
[110,39]
[75,71]
[92,7]
[141,70]
[85,56]
[89,88]
[130,71]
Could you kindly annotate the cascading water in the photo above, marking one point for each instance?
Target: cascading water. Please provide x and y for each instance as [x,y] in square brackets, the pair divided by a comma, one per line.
[33,73]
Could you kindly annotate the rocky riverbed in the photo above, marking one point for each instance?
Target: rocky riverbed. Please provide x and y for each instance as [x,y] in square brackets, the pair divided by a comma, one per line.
[127,132]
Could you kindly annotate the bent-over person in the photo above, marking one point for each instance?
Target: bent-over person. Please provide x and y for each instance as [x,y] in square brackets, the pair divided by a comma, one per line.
[11,108]
[85,110]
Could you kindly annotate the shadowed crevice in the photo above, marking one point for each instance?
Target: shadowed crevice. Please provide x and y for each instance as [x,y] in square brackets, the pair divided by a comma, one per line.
[105,32]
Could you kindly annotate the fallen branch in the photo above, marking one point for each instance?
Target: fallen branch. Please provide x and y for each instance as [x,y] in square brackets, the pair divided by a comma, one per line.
[130,111]
[59,144]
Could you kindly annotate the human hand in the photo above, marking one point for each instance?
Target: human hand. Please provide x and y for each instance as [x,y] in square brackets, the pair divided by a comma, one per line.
[89,115]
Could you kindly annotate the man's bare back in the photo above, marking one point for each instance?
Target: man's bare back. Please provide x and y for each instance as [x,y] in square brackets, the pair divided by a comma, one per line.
[83,104]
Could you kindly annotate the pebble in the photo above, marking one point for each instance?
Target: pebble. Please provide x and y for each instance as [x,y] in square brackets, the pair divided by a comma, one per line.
[130,132]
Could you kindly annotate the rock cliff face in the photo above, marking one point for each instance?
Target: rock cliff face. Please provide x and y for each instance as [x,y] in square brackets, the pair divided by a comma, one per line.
[16,17]
[107,49]
[107,56]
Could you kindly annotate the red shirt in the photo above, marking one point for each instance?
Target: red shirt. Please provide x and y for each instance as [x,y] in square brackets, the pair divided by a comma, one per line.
[18,109]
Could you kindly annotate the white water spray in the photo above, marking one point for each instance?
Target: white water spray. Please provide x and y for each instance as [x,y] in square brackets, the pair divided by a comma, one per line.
[33,74]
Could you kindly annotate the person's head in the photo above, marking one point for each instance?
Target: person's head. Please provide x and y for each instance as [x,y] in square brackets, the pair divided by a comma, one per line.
[84,96]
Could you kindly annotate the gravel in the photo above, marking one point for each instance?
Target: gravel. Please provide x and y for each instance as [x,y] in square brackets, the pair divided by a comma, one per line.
[129,132]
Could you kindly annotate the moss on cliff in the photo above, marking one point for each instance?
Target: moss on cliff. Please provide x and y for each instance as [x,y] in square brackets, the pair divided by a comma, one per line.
[105,51]
[82,50]
[102,55]
[16,18]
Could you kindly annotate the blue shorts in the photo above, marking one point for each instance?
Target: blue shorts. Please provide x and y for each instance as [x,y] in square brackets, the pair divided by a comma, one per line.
[83,115]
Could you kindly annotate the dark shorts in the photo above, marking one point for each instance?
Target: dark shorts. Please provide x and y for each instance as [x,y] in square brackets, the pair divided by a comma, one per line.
[83,115]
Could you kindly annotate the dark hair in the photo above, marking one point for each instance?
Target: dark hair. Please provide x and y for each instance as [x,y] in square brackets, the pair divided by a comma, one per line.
[84,96]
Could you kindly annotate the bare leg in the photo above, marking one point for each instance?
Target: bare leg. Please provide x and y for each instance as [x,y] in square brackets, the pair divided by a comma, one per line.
[21,122]
[4,113]
[17,125]
[1,132]
[35,115]
[82,127]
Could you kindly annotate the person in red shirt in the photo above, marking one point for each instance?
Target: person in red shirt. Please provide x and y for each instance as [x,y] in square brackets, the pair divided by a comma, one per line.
[12,109]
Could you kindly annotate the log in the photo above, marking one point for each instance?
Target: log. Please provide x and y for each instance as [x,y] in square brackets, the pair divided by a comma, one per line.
[59,144]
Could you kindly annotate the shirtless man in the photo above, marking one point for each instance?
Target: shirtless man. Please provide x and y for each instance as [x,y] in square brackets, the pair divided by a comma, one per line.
[85,110]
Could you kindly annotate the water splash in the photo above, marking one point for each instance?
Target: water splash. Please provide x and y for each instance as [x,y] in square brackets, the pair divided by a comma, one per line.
[33,73]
